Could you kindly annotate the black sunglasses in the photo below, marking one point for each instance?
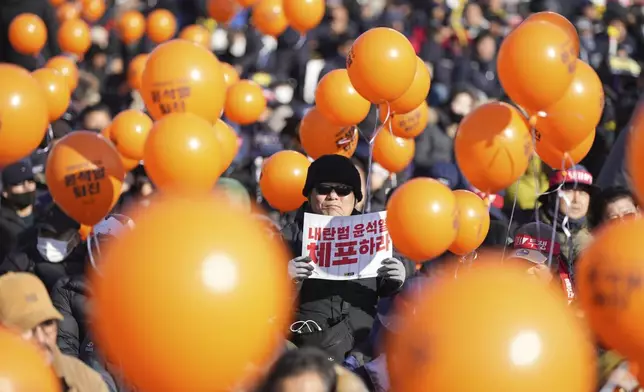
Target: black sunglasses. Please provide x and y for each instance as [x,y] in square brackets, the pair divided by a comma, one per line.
[340,190]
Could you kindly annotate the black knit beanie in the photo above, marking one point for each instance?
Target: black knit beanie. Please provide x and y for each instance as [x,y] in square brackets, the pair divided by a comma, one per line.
[333,169]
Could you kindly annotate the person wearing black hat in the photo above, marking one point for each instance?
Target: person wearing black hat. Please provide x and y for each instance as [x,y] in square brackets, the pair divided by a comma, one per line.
[573,188]
[52,252]
[17,211]
[335,315]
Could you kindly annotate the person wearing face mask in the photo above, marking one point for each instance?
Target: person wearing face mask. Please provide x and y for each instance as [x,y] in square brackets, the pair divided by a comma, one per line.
[52,253]
[335,315]
[25,307]
[17,212]
[566,204]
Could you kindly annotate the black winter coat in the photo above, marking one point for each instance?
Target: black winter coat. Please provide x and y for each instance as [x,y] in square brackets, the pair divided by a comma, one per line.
[13,230]
[28,259]
[69,297]
[323,300]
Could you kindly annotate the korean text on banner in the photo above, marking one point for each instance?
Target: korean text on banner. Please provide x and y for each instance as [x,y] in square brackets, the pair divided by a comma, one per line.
[346,247]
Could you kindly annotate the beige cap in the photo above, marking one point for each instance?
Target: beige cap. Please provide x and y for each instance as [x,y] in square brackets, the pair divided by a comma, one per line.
[25,302]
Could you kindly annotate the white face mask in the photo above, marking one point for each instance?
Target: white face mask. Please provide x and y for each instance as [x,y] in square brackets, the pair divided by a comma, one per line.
[53,250]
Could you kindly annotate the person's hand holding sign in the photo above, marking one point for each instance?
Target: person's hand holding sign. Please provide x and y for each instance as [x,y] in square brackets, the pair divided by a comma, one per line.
[392,269]
[300,268]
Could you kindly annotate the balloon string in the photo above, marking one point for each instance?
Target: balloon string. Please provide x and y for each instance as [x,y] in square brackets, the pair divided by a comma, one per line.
[514,207]
[367,204]
[536,175]
[300,42]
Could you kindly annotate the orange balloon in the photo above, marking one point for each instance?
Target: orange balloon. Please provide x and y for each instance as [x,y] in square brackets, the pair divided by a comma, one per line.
[24,114]
[222,10]
[161,26]
[128,164]
[407,125]
[319,136]
[218,274]
[227,143]
[557,159]
[268,17]
[611,294]
[473,222]
[493,146]
[422,218]
[129,131]
[511,332]
[23,366]
[131,26]
[84,174]
[231,76]
[135,71]
[338,101]
[392,152]
[245,102]
[27,34]
[417,93]
[381,64]
[634,156]
[247,3]
[562,22]
[282,180]
[67,67]
[533,52]
[56,3]
[182,154]
[196,34]
[56,92]
[180,76]
[67,11]
[93,10]
[74,37]
[304,15]
[568,122]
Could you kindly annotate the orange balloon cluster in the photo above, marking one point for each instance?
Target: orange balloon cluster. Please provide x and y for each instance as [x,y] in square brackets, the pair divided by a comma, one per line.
[129,131]
[304,15]
[85,175]
[338,101]
[611,294]
[493,146]
[268,17]
[196,34]
[27,34]
[24,111]
[392,152]
[282,180]
[381,65]
[422,218]
[319,136]
[55,91]
[182,154]
[23,366]
[161,26]
[215,272]
[473,222]
[66,67]
[131,26]
[74,37]
[509,331]
[245,102]
[179,77]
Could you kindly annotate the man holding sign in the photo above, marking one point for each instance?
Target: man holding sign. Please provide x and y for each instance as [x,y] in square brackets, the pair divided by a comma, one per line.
[347,261]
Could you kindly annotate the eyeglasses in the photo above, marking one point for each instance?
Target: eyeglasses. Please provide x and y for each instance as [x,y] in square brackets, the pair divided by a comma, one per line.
[624,215]
[340,190]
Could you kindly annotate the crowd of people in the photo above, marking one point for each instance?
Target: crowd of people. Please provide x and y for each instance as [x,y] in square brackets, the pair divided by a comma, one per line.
[335,339]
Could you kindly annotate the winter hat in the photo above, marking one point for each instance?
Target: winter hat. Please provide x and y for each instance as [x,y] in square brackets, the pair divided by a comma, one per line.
[17,173]
[577,176]
[333,169]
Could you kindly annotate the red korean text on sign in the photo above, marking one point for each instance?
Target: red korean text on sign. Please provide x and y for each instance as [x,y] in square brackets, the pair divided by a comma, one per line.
[345,253]
[320,253]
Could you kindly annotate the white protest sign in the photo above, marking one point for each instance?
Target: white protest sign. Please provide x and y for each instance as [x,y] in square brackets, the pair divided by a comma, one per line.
[346,247]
